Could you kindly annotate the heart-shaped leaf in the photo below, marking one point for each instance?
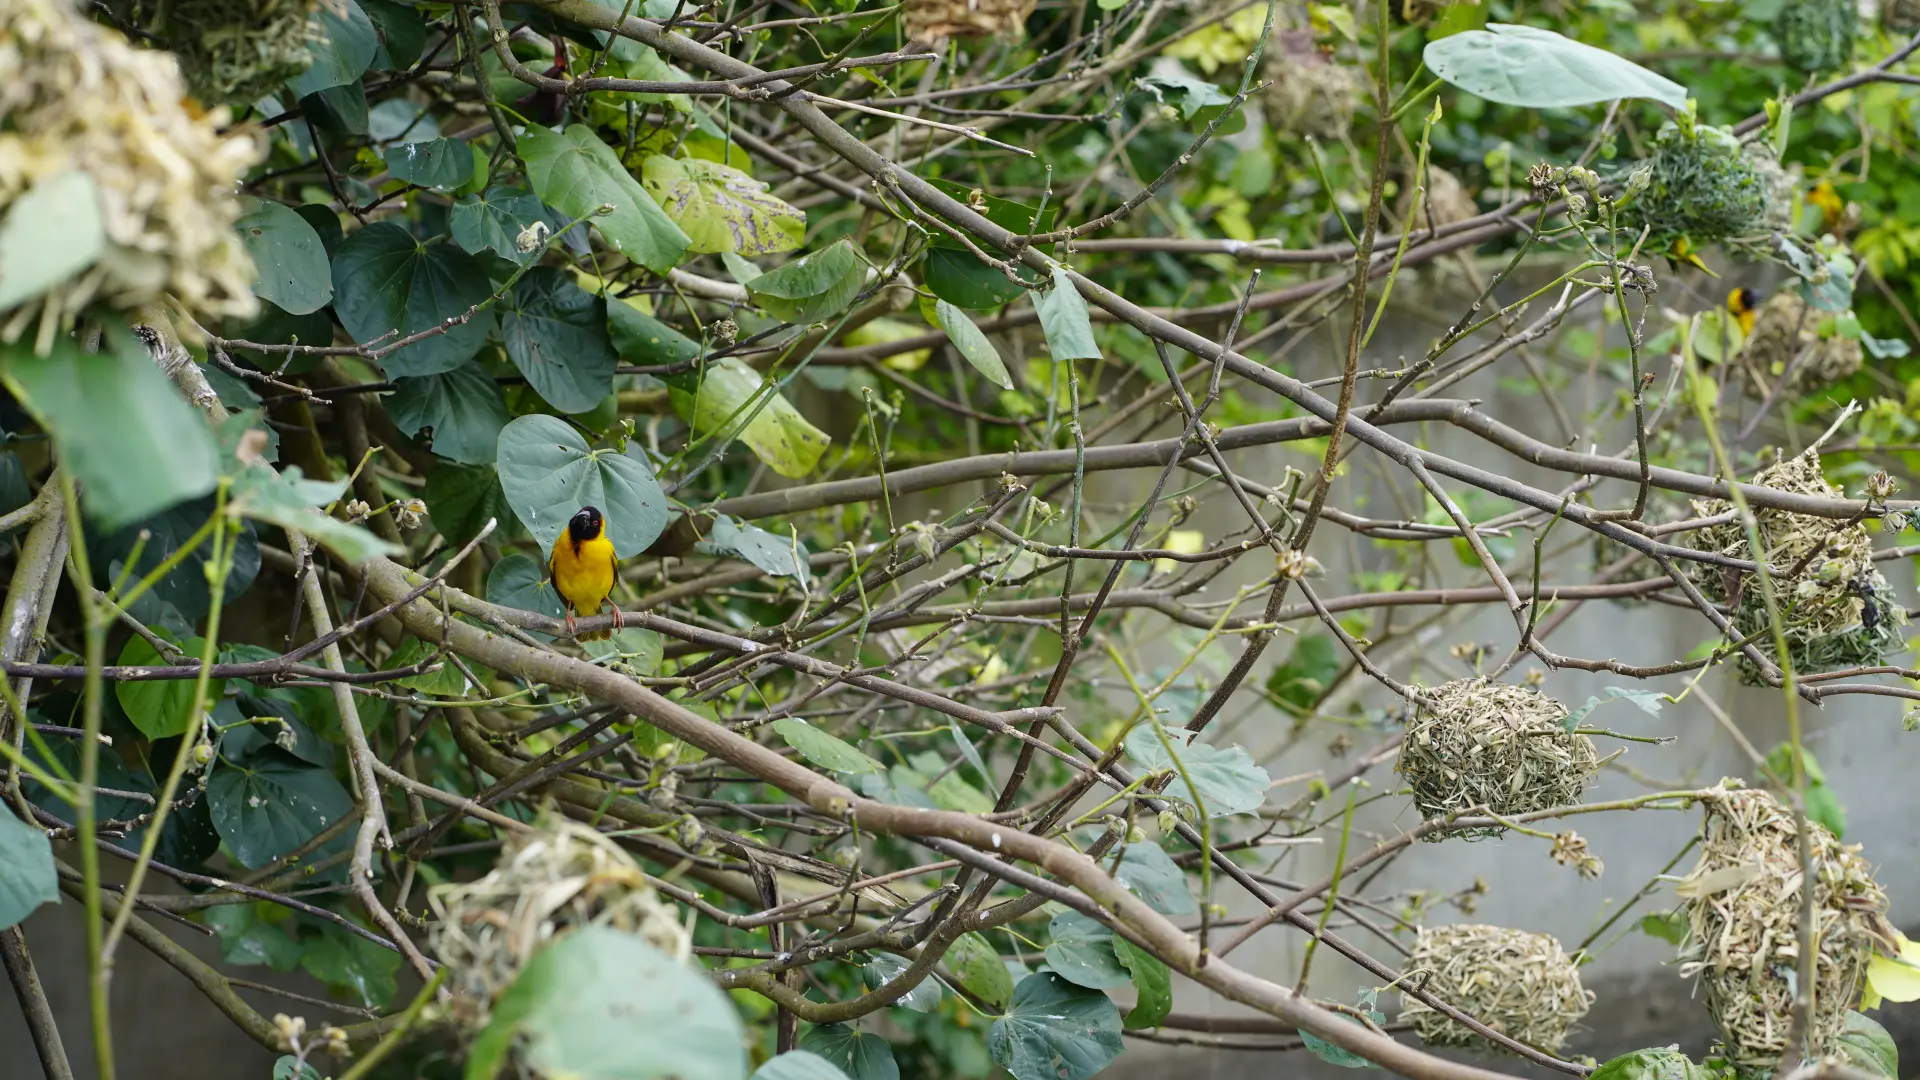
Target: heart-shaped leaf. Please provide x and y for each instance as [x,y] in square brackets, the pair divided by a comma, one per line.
[577,174]
[384,280]
[1539,69]
[812,287]
[548,473]
[1054,1030]
[289,261]
[556,333]
[440,163]
[462,407]
[721,208]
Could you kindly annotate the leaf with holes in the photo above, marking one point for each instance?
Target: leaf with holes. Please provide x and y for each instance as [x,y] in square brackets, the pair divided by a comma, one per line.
[1539,69]
[462,409]
[556,333]
[721,208]
[441,163]
[1081,952]
[860,1055]
[549,473]
[1054,1030]
[577,174]
[386,281]
[827,751]
[289,261]
[813,287]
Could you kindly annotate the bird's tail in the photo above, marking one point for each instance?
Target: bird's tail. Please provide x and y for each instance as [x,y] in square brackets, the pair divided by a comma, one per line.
[594,635]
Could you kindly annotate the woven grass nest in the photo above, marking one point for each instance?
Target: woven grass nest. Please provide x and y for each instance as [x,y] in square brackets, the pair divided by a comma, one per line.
[1782,330]
[234,52]
[1520,984]
[1742,913]
[1708,187]
[1815,35]
[1479,743]
[934,21]
[1307,93]
[1839,612]
[550,882]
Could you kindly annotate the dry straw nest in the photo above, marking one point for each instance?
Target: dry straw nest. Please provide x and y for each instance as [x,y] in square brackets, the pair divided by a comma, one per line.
[1520,984]
[78,99]
[1742,910]
[1307,92]
[934,21]
[234,52]
[1838,611]
[549,882]
[1783,330]
[1479,743]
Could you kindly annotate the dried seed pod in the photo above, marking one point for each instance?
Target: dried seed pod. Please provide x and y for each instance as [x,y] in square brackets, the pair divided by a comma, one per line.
[1838,611]
[1742,910]
[1520,984]
[1478,743]
[556,879]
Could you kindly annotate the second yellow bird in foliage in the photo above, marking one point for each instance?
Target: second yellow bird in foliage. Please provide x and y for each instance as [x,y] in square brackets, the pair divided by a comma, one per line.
[1743,304]
[583,567]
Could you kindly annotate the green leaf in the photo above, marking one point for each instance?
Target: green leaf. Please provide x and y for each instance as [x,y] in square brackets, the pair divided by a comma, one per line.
[1152,982]
[980,969]
[860,1055]
[248,940]
[160,708]
[440,163]
[777,434]
[1647,701]
[1054,1030]
[354,964]
[642,339]
[1654,1063]
[27,878]
[118,426]
[403,35]
[827,751]
[1308,673]
[576,174]
[721,208]
[1332,1053]
[461,410]
[1190,93]
[972,343]
[1539,69]
[799,1065]
[272,805]
[1668,926]
[780,556]
[1151,874]
[813,287]
[957,276]
[384,281]
[339,112]
[343,50]
[603,1004]
[969,751]
[1883,348]
[635,650]
[493,220]
[461,498]
[1063,315]
[556,333]
[518,582]
[285,499]
[1081,952]
[1823,807]
[1228,780]
[1836,292]
[885,967]
[288,1067]
[289,261]
[548,474]
[51,233]
[1866,1045]
[185,586]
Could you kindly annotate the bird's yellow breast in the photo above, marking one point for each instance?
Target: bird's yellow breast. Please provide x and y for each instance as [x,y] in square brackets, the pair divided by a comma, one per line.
[583,572]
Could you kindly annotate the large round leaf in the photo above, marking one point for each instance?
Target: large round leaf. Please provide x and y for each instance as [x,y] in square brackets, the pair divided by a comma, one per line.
[861,1055]
[289,260]
[385,280]
[493,220]
[721,208]
[1081,952]
[973,960]
[160,708]
[603,1004]
[440,163]
[270,805]
[27,877]
[1228,780]
[463,408]
[556,333]
[460,499]
[799,1065]
[1054,1030]
[577,174]
[961,279]
[549,473]
[1539,69]
[342,51]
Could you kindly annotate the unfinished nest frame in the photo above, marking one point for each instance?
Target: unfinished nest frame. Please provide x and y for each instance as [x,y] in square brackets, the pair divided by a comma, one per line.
[1743,912]
[1521,984]
[1838,612]
[1475,743]
[556,879]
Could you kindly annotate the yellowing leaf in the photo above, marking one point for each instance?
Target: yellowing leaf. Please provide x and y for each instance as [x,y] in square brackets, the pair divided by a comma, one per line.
[1895,980]
[1181,541]
[886,332]
[721,208]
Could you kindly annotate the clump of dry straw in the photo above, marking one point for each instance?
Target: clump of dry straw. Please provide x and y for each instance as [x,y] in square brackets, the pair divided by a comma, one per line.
[1837,610]
[1476,743]
[1520,984]
[1742,908]
[549,882]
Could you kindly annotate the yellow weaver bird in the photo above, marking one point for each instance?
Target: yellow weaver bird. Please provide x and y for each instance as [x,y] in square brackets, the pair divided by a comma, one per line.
[1832,206]
[583,568]
[1743,304]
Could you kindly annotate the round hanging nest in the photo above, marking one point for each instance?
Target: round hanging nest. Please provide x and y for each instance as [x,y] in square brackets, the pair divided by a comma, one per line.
[1307,92]
[1901,17]
[1479,743]
[1520,984]
[1706,186]
[1783,329]
[1446,197]
[1743,911]
[1838,611]
[89,119]
[1815,35]
[549,882]
[234,52]
[934,21]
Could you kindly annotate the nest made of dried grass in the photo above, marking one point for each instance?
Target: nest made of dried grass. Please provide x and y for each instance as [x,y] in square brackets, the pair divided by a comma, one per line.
[234,52]
[1838,611]
[1307,91]
[550,882]
[1783,329]
[1479,743]
[1742,910]
[1521,984]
